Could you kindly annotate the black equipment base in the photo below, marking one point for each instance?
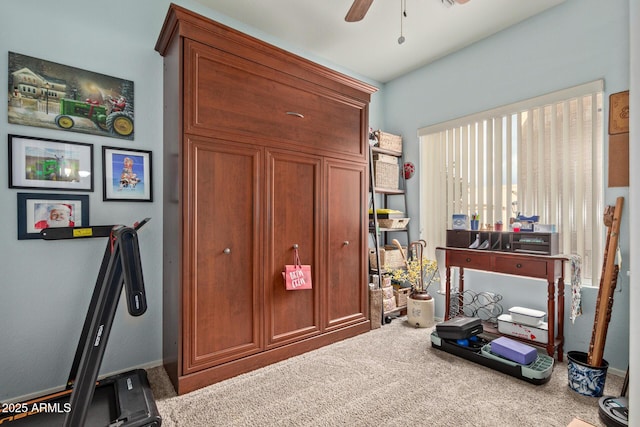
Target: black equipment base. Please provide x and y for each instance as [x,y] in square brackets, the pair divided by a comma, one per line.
[473,352]
[614,411]
[120,400]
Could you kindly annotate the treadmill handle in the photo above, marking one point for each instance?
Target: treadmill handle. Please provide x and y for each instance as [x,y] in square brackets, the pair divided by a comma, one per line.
[132,271]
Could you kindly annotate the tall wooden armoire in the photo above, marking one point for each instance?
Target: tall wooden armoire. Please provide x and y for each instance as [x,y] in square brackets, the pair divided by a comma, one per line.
[263,150]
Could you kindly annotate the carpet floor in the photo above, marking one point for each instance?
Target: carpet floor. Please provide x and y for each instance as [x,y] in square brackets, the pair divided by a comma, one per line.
[387,377]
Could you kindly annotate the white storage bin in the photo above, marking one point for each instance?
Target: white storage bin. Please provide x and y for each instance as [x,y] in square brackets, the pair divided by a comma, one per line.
[527,316]
[539,333]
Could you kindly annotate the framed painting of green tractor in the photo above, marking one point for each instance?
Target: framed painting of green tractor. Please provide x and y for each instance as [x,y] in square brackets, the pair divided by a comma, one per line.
[50,164]
[55,96]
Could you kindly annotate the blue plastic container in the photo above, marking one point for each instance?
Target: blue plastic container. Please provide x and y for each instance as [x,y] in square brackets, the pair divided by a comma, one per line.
[583,378]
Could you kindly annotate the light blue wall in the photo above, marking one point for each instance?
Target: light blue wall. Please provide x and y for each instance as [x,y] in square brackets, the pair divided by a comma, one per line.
[45,287]
[573,43]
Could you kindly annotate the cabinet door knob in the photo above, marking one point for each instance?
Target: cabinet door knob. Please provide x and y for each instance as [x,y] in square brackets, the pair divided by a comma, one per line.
[227,251]
[346,243]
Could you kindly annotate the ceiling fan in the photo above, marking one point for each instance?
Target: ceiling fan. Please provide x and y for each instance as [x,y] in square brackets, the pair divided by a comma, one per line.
[359,9]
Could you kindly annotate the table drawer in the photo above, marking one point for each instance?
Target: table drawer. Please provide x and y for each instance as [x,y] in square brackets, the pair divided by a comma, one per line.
[525,267]
[469,260]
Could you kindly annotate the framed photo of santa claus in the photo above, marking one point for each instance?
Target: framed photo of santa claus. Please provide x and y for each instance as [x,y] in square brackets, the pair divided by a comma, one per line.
[37,211]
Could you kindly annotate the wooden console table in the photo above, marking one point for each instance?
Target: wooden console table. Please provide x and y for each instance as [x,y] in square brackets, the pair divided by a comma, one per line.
[549,268]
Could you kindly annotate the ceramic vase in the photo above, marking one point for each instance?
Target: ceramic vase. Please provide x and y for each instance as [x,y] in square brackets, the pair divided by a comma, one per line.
[420,310]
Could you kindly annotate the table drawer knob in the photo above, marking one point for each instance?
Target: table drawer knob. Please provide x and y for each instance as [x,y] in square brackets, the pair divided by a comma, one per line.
[518,265]
[468,260]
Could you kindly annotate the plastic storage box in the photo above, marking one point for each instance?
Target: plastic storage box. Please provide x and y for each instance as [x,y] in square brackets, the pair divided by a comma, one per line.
[527,316]
[514,350]
[539,333]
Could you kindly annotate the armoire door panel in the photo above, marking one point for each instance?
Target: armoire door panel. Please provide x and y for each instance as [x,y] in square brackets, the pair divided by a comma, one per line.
[346,243]
[240,96]
[224,298]
[293,183]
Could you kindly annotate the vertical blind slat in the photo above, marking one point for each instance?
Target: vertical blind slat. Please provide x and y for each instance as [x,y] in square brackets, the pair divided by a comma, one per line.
[528,194]
[464,135]
[520,179]
[541,161]
[480,167]
[498,183]
[472,168]
[487,216]
[565,220]
[448,141]
[509,177]
[580,177]
[553,163]
[443,168]
[596,179]
[455,137]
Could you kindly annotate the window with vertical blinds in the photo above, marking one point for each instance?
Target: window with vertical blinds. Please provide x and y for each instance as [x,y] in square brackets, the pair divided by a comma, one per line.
[542,156]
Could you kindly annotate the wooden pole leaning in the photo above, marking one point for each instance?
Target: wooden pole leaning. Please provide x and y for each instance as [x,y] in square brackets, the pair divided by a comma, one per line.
[608,282]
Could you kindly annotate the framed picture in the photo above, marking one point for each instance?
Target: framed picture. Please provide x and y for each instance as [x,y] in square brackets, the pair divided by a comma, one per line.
[57,96]
[37,211]
[619,113]
[50,164]
[127,175]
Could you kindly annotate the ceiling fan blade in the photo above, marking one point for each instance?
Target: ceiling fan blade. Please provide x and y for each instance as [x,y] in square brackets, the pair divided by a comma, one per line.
[358,10]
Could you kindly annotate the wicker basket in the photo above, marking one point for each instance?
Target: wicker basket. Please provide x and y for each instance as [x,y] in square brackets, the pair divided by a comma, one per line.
[387,175]
[401,296]
[394,223]
[386,281]
[390,257]
[388,304]
[393,257]
[385,158]
[375,307]
[373,264]
[388,292]
[389,141]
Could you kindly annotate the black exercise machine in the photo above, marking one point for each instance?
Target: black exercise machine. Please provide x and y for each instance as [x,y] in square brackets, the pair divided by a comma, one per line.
[122,400]
[465,337]
[614,410]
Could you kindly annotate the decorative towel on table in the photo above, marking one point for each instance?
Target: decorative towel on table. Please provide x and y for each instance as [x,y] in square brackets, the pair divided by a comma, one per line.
[576,285]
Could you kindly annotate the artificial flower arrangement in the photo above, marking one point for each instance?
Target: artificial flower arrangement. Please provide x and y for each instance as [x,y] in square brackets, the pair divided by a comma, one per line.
[419,271]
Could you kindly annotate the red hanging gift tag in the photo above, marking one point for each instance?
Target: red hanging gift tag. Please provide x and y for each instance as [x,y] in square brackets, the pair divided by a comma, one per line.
[297,276]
